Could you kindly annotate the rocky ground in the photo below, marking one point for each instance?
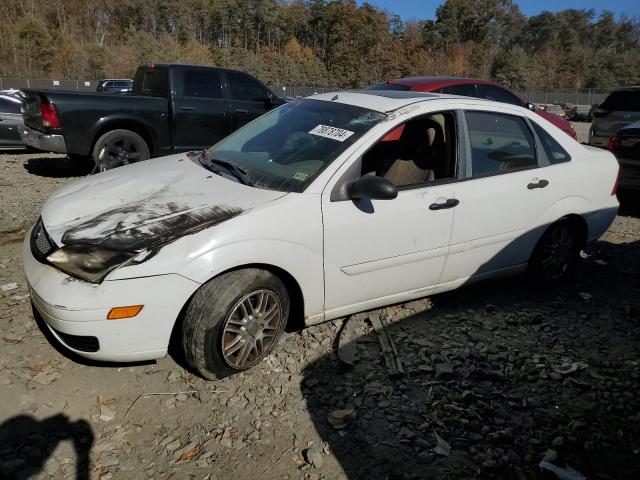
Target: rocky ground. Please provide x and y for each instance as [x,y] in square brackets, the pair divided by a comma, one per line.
[487,381]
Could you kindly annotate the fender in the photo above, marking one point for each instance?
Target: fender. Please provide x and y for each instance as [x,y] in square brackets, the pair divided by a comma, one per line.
[302,263]
[121,120]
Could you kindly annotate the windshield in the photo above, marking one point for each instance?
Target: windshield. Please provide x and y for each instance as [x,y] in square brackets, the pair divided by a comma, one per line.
[288,147]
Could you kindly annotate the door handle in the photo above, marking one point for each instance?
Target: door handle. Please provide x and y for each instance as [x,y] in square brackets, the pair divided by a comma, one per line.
[450,203]
[188,109]
[241,110]
[540,184]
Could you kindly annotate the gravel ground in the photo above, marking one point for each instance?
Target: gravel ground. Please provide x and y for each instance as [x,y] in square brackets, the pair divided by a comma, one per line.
[495,378]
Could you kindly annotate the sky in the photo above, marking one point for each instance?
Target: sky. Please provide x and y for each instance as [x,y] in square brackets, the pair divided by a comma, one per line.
[425,9]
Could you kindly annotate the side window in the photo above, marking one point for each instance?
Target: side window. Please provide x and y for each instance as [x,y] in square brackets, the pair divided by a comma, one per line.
[499,143]
[202,84]
[246,88]
[465,90]
[418,151]
[491,92]
[622,100]
[151,82]
[8,106]
[554,151]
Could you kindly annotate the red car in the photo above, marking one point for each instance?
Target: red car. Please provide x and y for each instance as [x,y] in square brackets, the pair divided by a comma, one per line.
[470,87]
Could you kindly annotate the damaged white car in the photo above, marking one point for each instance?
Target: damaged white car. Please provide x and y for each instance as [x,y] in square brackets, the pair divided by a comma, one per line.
[324,207]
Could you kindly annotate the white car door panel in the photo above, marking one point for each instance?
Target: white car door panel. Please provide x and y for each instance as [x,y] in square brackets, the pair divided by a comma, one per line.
[381,248]
[495,223]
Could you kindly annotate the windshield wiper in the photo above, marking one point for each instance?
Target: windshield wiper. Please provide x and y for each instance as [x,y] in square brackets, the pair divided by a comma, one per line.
[238,172]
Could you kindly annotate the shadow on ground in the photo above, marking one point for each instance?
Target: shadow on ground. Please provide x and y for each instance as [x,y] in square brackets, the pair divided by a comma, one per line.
[61,167]
[495,374]
[629,203]
[26,444]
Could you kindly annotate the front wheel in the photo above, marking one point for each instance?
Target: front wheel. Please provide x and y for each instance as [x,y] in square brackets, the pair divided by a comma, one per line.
[556,253]
[117,148]
[234,321]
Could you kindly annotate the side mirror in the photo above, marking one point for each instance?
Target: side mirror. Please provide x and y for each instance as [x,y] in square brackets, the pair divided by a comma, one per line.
[372,188]
[531,107]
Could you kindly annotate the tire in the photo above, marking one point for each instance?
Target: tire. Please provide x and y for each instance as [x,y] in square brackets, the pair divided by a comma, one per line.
[122,147]
[556,253]
[217,326]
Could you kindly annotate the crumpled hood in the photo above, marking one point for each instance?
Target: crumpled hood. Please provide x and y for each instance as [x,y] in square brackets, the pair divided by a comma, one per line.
[146,204]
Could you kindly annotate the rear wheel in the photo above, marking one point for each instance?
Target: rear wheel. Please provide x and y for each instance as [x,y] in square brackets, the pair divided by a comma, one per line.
[556,253]
[117,148]
[234,321]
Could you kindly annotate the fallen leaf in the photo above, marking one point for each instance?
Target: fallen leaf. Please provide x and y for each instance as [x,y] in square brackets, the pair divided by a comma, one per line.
[442,448]
[186,456]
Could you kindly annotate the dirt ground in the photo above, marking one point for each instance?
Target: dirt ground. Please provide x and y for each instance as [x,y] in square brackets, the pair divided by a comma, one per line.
[495,378]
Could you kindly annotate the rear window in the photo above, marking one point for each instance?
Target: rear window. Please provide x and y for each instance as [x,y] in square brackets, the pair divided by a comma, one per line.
[9,105]
[627,101]
[151,82]
[388,86]
[554,151]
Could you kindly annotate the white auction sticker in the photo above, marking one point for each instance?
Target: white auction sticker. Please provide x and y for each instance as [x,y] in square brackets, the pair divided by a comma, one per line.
[331,132]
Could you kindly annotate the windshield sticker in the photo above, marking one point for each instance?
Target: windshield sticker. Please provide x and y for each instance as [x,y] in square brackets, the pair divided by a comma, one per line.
[302,176]
[331,132]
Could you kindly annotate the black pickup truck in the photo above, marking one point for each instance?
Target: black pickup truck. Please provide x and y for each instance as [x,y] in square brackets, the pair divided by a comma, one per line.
[172,109]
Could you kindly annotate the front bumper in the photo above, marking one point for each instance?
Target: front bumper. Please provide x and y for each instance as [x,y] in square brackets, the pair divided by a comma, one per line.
[74,308]
[42,141]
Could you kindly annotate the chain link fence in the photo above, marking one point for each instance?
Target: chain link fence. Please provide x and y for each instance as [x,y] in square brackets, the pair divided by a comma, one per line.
[577,97]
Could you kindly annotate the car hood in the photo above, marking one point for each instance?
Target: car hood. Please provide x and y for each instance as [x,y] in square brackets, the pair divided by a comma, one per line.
[558,121]
[146,205]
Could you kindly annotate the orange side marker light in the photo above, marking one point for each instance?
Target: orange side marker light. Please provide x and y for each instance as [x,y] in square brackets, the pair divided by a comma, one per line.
[118,313]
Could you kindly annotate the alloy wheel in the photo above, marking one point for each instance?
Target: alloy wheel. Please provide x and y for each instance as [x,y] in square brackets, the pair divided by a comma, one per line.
[251,329]
[558,249]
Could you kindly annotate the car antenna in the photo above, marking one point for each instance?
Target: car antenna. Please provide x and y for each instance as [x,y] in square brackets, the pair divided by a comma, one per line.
[334,98]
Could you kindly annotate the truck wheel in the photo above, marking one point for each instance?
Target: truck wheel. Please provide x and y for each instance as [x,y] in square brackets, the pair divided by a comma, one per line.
[119,147]
[234,321]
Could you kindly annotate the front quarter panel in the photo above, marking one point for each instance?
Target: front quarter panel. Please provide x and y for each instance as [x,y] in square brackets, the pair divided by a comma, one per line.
[285,233]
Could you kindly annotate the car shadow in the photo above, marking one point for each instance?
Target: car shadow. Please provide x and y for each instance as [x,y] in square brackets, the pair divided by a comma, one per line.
[61,167]
[629,203]
[494,375]
[26,444]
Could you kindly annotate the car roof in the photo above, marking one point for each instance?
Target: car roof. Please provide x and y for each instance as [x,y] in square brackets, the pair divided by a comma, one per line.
[433,83]
[386,101]
[630,88]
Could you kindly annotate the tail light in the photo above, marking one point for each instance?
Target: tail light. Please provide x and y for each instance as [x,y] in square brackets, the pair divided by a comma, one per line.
[601,112]
[613,144]
[49,115]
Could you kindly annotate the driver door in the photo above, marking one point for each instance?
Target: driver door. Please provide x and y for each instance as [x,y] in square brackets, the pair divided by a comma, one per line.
[378,252]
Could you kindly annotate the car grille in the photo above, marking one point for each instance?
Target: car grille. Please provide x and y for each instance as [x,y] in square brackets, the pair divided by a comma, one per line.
[79,342]
[41,244]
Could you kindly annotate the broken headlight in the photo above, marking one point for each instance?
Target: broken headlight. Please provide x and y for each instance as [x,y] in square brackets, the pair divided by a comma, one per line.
[88,262]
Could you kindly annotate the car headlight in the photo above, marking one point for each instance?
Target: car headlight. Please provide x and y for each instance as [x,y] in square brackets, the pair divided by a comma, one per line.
[88,262]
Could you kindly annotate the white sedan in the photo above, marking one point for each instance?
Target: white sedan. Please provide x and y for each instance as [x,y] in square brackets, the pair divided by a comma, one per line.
[324,207]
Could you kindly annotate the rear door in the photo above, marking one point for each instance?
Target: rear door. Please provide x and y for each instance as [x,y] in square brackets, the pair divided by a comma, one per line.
[249,98]
[201,113]
[10,122]
[505,192]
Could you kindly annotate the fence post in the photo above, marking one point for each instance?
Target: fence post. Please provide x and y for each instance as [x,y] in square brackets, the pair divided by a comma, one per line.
[28,86]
